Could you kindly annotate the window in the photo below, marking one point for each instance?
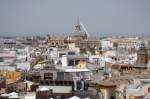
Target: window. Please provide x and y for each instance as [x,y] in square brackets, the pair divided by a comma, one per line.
[79,85]
[50,49]
[1,59]
[48,76]
[77,62]
[70,63]
[71,53]
[53,43]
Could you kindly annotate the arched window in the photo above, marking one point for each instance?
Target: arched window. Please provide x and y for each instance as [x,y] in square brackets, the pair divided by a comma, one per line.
[52,43]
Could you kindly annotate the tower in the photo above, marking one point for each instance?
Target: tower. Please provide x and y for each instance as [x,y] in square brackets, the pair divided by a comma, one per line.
[34,41]
[148,49]
[78,34]
[142,56]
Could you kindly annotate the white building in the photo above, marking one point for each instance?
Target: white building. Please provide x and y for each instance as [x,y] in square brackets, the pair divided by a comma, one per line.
[106,44]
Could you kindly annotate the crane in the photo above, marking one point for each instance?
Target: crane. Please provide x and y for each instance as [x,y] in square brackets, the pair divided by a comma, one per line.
[88,35]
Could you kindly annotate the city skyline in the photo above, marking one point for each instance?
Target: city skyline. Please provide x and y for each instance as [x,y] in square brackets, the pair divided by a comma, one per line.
[99,17]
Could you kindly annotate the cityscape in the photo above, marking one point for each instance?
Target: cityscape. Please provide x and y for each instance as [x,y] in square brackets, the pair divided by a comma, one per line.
[74,65]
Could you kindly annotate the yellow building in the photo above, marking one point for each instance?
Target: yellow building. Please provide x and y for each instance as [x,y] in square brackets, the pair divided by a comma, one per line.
[11,76]
[132,97]
[82,64]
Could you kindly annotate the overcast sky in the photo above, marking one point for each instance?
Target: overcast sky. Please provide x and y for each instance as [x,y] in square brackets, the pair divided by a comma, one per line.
[59,16]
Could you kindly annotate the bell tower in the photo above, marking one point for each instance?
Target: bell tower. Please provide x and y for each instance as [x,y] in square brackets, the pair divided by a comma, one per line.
[142,56]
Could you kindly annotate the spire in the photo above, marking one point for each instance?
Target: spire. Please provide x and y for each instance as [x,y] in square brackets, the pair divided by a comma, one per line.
[78,21]
[77,27]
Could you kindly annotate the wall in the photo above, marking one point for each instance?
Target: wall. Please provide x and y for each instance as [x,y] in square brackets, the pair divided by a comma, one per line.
[64,61]
[107,92]
[59,89]
[72,47]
